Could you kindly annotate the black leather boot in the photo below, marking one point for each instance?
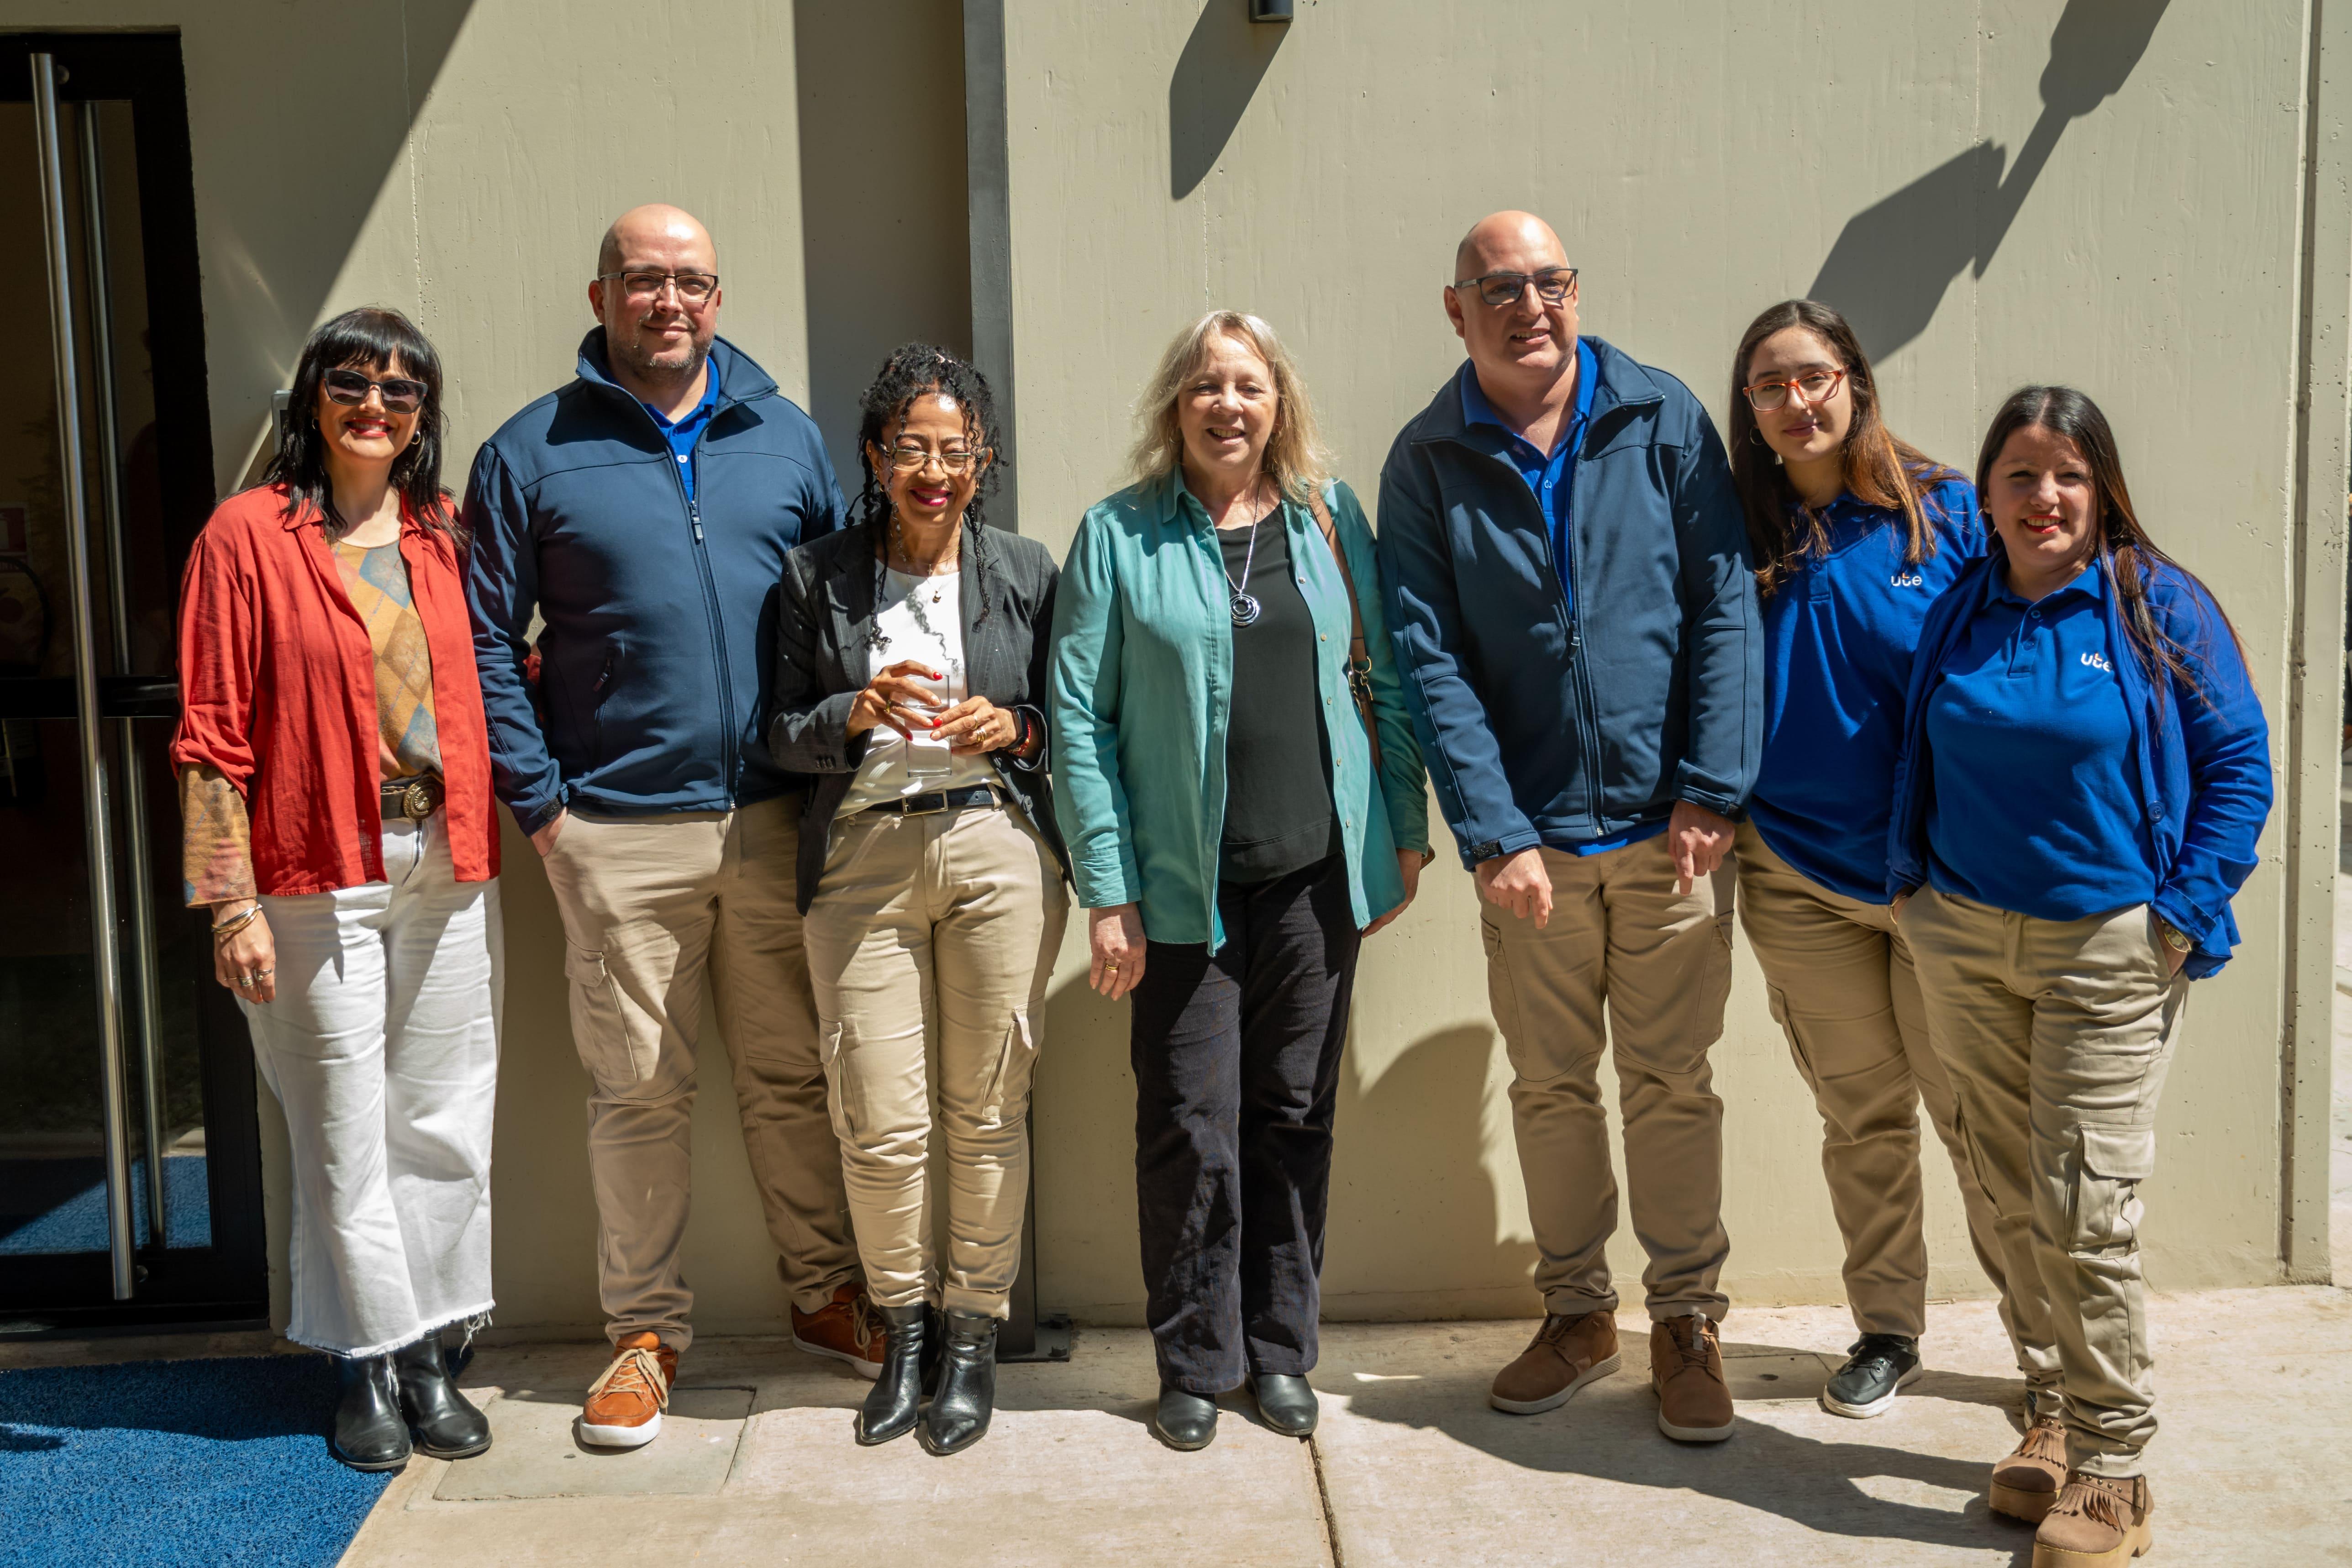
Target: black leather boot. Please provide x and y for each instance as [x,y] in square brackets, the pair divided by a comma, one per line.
[1287,1402]
[959,1416]
[370,1433]
[895,1403]
[443,1421]
[1185,1420]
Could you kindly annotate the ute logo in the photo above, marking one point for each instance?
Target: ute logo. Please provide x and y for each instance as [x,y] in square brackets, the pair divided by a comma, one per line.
[2099,661]
[1907,580]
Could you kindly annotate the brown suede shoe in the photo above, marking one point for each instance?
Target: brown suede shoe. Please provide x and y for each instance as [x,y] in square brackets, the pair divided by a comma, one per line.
[1686,1370]
[2097,1522]
[2026,1483]
[625,1405]
[845,1328]
[1566,1353]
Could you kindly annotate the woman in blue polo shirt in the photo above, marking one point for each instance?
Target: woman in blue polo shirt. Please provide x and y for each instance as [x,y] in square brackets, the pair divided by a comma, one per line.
[2085,772]
[1855,533]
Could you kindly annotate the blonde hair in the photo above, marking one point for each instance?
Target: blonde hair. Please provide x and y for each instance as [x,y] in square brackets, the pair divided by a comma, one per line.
[1296,458]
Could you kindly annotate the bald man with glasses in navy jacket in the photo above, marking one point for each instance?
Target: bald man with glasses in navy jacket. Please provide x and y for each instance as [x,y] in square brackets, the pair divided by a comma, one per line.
[1573,611]
[644,511]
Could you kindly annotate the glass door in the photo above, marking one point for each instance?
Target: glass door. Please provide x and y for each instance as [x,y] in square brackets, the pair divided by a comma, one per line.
[130,1187]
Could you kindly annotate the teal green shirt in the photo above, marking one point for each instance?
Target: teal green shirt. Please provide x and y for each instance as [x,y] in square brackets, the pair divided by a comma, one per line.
[1143,685]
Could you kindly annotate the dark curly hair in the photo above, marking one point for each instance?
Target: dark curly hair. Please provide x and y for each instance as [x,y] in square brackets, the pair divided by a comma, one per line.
[913,371]
[368,338]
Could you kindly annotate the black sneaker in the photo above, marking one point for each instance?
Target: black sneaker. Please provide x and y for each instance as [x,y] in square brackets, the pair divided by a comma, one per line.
[1878,1365]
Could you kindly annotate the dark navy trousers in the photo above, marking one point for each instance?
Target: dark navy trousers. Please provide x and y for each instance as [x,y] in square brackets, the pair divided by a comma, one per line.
[1236,1072]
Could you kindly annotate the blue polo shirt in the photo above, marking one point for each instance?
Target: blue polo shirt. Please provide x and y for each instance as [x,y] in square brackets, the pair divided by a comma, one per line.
[688,430]
[1551,477]
[2030,742]
[1839,635]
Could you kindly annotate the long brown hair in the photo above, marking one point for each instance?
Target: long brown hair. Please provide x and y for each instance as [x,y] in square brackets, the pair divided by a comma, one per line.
[2132,556]
[1881,469]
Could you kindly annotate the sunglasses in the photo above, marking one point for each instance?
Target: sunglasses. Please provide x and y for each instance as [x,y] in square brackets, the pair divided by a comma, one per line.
[401,395]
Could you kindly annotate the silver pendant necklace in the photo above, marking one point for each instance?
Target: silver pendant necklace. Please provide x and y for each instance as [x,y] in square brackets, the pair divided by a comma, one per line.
[1242,602]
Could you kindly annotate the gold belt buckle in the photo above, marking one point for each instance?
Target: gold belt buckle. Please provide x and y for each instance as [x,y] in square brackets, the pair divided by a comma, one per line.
[416,800]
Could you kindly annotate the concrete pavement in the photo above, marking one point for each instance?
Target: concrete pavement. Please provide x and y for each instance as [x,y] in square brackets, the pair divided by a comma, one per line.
[1411,1466]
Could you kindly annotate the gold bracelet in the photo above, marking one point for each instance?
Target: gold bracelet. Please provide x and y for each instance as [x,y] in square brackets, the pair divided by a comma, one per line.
[237,922]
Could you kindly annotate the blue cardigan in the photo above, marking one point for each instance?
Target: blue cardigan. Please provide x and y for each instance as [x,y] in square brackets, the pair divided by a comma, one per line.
[2201,757]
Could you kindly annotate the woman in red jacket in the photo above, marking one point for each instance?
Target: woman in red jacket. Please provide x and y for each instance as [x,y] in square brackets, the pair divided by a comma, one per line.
[335,790]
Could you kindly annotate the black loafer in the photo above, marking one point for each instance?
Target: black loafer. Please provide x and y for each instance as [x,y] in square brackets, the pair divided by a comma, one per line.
[1287,1402]
[370,1433]
[1185,1420]
[1877,1367]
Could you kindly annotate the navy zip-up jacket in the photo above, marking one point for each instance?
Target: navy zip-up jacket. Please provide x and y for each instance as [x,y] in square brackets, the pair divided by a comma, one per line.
[660,610]
[1541,727]
[2200,759]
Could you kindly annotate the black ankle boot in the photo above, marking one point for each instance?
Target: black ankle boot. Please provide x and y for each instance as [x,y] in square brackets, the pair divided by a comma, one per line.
[895,1403]
[443,1421]
[369,1434]
[959,1416]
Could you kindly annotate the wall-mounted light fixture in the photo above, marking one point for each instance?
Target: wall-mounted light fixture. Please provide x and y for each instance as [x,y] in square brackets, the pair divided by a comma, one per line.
[1269,10]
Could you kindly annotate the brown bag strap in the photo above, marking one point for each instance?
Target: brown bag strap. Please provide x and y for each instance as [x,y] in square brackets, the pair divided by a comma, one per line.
[1360,659]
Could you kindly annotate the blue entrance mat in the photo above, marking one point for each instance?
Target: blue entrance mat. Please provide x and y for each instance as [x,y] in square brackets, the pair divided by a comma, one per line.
[59,1204]
[170,1462]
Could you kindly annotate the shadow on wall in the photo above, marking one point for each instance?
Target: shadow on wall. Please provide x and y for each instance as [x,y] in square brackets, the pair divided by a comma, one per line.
[283,258]
[1411,1167]
[1894,261]
[1222,62]
[885,242]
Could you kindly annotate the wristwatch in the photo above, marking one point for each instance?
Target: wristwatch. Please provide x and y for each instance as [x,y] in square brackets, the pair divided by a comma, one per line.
[2174,937]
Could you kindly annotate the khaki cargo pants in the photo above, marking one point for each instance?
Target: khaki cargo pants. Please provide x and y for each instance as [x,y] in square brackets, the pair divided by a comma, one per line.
[2057,1035]
[930,942]
[650,904]
[1621,938]
[1838,974]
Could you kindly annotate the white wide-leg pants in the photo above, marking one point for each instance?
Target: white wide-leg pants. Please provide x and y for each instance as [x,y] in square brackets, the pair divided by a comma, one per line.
[382,1047]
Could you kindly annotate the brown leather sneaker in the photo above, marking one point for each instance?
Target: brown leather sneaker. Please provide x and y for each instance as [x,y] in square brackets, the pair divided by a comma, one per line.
[625,1405]
[1566,1352]
[2026,1483]
[1686,1370]
[845,1328]
[2097,1522]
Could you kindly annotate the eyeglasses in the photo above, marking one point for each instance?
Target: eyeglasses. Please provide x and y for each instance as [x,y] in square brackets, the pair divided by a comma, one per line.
[401,395]
[693,287]
[1500,288]
[915,459]
[1816,386]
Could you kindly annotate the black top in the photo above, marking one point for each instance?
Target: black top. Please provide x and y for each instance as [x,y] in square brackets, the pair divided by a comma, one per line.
[825,620]
[1278,813]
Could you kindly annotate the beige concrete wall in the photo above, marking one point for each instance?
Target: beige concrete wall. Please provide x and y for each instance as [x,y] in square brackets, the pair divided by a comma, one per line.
[459,160]
[2014,191]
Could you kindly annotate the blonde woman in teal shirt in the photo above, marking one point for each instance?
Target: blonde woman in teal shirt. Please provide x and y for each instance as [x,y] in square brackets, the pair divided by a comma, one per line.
[1234,832]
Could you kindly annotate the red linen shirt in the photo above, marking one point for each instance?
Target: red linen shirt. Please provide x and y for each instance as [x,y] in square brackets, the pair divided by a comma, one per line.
[277,692]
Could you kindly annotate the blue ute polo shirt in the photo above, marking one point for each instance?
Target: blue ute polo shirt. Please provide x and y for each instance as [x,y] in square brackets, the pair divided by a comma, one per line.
[683,434]
[2031,743]
[1839,635]
[1551,477]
